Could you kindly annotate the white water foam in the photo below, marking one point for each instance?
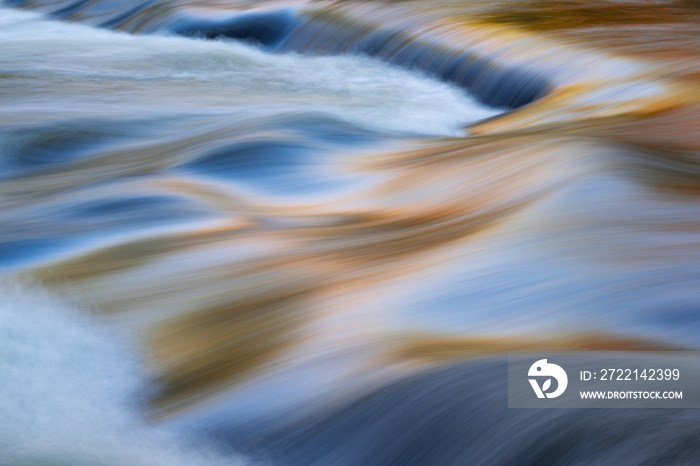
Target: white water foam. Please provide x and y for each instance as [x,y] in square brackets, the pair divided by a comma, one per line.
[69,392]
[81,71]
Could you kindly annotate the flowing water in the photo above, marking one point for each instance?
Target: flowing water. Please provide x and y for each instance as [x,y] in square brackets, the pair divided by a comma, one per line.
[288,248]
[70,391]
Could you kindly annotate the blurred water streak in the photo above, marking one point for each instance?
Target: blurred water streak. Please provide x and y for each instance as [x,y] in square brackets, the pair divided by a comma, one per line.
[289,234]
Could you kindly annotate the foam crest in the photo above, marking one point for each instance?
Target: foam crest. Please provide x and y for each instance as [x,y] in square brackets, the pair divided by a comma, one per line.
[71,391]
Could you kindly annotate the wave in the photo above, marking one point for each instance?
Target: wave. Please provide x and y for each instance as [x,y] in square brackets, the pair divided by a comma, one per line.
[320,32]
